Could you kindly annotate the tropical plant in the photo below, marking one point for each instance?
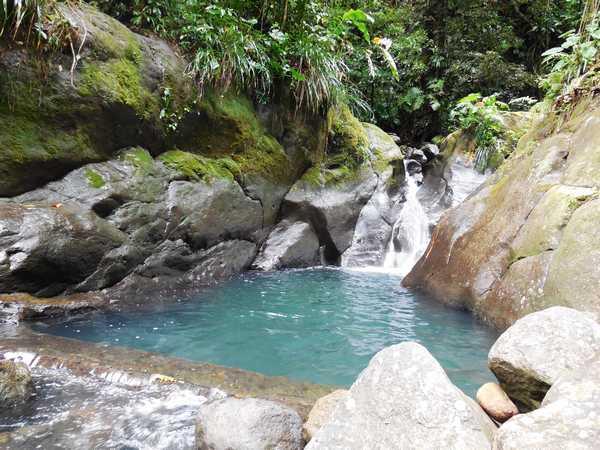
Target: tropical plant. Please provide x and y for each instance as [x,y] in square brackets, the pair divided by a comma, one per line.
[22,17]
[480,116]
[574,56]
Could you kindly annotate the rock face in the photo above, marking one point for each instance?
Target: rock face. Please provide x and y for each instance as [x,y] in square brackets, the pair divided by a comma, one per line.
[16,385]
[134,221]
[18,307]
[403,399]
[289,245]
[495,402]
[532,354]
[251,424]
[568,417]
[46,248]
[526,240]
[376,220]
[332,210]
[322,412]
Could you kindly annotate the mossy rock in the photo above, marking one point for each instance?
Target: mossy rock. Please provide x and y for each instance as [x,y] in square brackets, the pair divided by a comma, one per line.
[347,151]
[197,167]
[227,125]
[56,120]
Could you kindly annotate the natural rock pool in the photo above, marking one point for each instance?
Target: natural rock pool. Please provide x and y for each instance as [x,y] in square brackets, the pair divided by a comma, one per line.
[319,325]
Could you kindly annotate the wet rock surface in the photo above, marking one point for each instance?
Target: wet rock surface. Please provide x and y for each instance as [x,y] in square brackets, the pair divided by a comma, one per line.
[16,385]
[128,366]
[332,210]
[15,308]
[374,224]
[533,353]
[250,423]
[403,399]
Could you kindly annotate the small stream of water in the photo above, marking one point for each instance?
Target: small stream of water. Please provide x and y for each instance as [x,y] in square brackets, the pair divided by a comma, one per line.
[410,234]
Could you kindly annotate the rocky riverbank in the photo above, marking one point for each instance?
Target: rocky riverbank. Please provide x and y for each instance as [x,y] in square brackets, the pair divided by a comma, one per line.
[545,363]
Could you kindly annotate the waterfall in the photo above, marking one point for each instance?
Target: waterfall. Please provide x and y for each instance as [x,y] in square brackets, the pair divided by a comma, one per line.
[410,233]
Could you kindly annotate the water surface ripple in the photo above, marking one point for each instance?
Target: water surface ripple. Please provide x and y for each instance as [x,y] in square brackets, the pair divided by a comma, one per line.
[319,325]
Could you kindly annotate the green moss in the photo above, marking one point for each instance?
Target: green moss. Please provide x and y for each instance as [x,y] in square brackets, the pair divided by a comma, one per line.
[24,139]
[95,180]
[347,151]
[138,157]
[229,127]
[197,167]
[118,81]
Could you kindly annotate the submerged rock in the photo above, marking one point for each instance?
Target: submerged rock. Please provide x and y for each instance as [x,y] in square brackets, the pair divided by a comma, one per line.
[568,418]
[533,353]
[495,402]
[16,385]
[404,399]
[322,412]
[290,244]
[249,424]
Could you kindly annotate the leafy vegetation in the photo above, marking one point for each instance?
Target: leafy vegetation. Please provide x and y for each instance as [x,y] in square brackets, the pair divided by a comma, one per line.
[480,116]
[574,57]
[402,65]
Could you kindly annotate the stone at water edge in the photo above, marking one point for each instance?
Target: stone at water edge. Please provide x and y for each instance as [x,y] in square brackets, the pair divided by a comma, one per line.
[568,419]
[248,424]
[322,412]
[405,400]
[290,245]
[16,385]
[495,402]
[531,355]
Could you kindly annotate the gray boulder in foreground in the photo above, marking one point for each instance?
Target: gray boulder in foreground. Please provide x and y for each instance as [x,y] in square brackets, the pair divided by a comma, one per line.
[249,424]
[404,400]
[568,419]
[533,353]
[16,385]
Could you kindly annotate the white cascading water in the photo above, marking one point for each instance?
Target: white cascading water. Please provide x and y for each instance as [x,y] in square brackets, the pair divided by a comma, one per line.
[410,234]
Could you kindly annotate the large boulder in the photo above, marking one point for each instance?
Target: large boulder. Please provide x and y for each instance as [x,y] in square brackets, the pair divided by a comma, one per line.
[290,244]
[134,221]
[404,399]
[332,208]
[16,385]
[68,118]
[44,249]
[568,418]
[249,424]
[533,353]
[322,412]
[526,240]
